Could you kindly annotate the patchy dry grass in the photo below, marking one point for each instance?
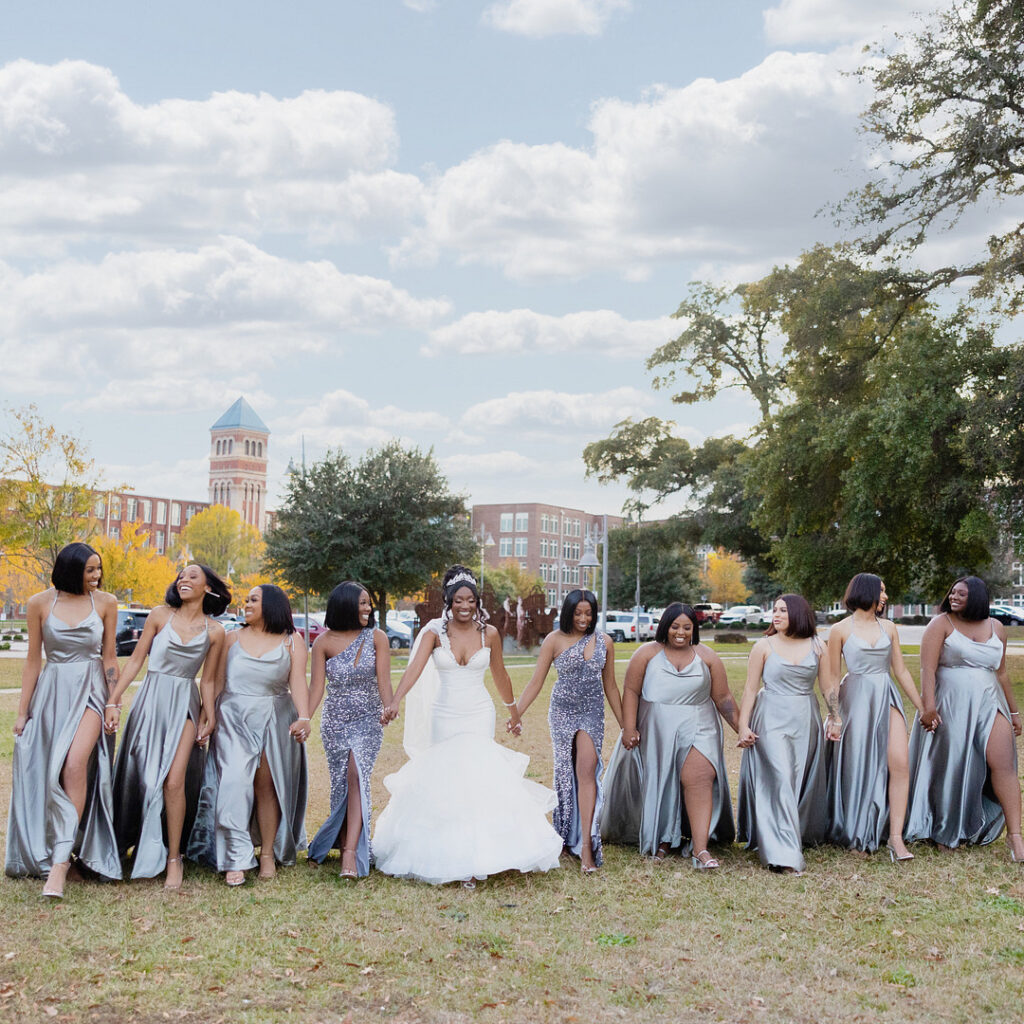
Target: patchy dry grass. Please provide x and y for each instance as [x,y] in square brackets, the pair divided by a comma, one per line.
[855,939]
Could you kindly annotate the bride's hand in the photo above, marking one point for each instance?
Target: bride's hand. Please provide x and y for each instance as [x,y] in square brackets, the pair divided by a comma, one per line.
[515,728]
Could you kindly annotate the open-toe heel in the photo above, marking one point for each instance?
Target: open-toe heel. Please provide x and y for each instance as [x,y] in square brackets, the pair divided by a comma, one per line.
[169,884]
[54,887]
[266,874]
[349,866]
[234,878]
[703,861]
[1009,842]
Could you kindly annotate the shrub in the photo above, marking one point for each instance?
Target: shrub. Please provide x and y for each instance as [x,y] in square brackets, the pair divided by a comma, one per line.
[732,638]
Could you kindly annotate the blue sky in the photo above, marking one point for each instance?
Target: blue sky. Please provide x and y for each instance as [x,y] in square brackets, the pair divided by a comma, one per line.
[462,224]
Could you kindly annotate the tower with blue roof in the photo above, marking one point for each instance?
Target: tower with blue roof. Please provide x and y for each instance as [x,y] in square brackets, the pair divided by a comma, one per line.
[239,448]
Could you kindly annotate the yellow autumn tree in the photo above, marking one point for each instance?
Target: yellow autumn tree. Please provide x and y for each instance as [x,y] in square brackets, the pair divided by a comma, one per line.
[218,537]
[132,570]
[723,577]
[19,579]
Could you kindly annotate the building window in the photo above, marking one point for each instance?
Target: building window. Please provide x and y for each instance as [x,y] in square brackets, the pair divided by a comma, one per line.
[114,531]
[231,445]
[543,522]
[161,512]
[190,511]
[260,452]
[521,547]
[565,574]
[146,508]
[505,547]
[523,565]
[522,522]
[160,541]
[175,514]
[506,522]
[552,597]
[101,509]
[115,506]
[575,575]
[133,509]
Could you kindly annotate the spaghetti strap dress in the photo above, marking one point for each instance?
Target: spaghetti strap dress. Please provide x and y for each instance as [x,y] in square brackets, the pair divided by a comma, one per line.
[951,797]
[350,724]
[167,699]
[857,766]
[577,705]
[43,827]
[254,713]
[781,806]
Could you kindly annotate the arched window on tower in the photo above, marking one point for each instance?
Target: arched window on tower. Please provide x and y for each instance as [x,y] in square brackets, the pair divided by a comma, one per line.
[261,449]
[231,445]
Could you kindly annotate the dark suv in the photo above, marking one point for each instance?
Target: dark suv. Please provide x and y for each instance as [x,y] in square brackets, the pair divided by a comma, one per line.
[130,623]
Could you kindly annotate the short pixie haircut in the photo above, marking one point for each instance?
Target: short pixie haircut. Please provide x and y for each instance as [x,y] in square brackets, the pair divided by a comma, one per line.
[343,607]
[669,615]
[277,612]
[977,607]
[69,567]
[569,606]
[801,617]
[213,604]
[863,592]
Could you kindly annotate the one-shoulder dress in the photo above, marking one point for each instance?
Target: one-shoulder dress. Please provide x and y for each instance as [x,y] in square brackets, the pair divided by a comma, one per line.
[254,713]
[43,827]
[781,806]
[461,808]
[951,798]
[577,705]
[644,802]
[350,723]
[167,699]
[857,766]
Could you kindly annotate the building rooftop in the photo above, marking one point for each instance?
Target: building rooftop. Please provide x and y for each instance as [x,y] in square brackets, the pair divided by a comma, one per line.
[242,416]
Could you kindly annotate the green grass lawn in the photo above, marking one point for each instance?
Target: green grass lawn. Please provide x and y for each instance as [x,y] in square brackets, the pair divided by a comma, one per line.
[855,939]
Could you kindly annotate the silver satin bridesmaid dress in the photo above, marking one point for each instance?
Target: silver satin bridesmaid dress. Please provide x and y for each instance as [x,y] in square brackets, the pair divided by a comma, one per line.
[950,799]
[781,806]
[167,699]
[254,713]
[858,765]
[43,827]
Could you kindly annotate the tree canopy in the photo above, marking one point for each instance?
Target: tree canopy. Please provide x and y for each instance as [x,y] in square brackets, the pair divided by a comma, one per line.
[669,570]
[132,570]
[389,521]
[218,537]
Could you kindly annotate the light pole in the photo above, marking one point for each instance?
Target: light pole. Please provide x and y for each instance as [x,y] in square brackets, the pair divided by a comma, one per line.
[597,535]
[485,540]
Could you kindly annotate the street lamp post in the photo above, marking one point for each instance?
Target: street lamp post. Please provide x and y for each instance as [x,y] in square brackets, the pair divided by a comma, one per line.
[485,540]
[597,535]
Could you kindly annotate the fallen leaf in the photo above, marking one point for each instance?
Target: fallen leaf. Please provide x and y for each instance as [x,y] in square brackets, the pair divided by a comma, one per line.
[188,938]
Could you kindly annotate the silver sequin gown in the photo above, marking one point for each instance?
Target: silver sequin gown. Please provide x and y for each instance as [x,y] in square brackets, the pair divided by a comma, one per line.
[254,713]
[781,806]
[43,827]
[577,705]
[858,765]
[350,722]
[951,800]
[644,803]
[167,699]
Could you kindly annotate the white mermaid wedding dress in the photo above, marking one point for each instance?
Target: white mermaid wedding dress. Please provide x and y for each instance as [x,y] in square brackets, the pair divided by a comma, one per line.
[460,807]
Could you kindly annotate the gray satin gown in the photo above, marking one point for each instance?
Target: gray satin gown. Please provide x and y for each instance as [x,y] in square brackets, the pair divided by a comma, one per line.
[644,798]
[254,713]
[167,699]
[43,827]
[350,723]
[951,799]
[782,806]
[858,765]
[577,705]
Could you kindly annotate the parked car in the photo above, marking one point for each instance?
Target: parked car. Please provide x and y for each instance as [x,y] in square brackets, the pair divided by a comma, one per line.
[398,635]
[648,626]
[743,615]
[316,627]
[1007,614]
[707,611]
[621,626]
[229,622]
[130,624]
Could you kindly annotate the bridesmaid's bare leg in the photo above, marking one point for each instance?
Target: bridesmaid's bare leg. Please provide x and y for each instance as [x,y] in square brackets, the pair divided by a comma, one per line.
[1005,784]
[585,766]
[899,782]
[268,816]
[353,819]
[698,779]
[174,802]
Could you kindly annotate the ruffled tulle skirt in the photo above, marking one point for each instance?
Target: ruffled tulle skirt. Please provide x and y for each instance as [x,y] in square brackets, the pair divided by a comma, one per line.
[463,809]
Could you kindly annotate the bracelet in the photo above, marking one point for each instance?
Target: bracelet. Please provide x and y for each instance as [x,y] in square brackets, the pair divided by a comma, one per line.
[301,719]
[509,704]
[1015,714]
[118,706]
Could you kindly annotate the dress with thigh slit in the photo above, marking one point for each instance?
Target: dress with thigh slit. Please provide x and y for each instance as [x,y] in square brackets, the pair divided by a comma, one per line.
[43,827]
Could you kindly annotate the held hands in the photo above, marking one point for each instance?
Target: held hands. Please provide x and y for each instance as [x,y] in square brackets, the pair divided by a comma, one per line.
[630,738]
[207,723]
[747,737]
[833,728]
[390,713]
[299,730]
[514,725]
[111,718]
[930,720]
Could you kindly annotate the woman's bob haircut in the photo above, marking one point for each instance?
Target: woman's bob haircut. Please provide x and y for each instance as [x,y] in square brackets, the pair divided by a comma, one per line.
[569,606]
[863,592]
[277,612]
[669,615]
[343,607]
[977,607]
[214,603]
[801,617]
[69,567]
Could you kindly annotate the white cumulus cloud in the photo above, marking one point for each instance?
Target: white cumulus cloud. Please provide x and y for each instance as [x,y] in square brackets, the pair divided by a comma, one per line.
[540,18]
[554,413]
[835,21]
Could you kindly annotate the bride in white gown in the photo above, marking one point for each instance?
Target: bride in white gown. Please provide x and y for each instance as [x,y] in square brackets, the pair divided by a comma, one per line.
[460,808]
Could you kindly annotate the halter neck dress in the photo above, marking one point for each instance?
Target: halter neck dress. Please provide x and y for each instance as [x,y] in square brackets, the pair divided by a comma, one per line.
[43,827]
[254,713]
[167,699]
[350,723]
[645,802]
[460,807]
[951,798]
[781,806]
[577,705]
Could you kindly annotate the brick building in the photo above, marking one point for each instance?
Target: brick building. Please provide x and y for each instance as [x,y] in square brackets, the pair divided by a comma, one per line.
[544,539]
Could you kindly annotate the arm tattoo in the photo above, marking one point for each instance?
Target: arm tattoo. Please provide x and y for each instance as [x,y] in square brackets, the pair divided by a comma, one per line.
[832,700]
